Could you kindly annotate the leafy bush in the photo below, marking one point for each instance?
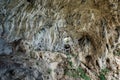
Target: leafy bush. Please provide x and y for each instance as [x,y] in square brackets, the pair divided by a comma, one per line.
[103,73]
[76,73]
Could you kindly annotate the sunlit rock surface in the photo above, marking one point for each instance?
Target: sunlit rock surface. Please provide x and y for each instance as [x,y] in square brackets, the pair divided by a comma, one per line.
[86,30]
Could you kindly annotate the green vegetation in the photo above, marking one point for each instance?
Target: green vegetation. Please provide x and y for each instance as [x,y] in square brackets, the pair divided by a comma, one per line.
[118,54]
[83,75]
[49,71]
[102,77]
[75,73]
[103,73]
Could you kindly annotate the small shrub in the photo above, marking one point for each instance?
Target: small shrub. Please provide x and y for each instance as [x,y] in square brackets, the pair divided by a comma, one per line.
[75,73]
[102,76]
[103,73]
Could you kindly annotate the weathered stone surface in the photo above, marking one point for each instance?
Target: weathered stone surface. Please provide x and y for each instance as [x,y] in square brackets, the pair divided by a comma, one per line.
[20,74]
[12,69]
[5,48]
[89,28]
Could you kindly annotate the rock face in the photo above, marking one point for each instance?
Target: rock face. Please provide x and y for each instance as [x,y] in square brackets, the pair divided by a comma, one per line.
[5,48]
[89,29]
[15,69]
[20,74]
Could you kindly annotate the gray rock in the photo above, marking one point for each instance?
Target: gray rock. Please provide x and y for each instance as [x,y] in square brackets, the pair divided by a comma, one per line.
[19,74]
[5,49]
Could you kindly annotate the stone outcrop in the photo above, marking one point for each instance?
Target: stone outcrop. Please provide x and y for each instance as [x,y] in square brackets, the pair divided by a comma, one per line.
[5,48]
[88,29]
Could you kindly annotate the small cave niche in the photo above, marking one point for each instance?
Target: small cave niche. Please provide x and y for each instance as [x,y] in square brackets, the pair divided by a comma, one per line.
[107,46]
[67,48]
[88,58]
[85,39]
[108,60]
[108,64]
[97,64]
[84,42]
[30,1]
[12,72]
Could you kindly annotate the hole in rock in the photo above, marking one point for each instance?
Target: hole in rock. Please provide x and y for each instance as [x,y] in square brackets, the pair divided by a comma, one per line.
[107,46]
[67,48]
[29,0]
[84,41]
[88,58]
[108,60]
[97,63]
[12,72]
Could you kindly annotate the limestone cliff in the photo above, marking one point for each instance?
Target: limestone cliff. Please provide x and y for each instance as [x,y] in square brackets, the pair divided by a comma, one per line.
[51,31]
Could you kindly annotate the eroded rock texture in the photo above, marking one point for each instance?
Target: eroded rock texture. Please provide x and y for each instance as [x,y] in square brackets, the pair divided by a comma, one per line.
[89,29]
[18,68]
